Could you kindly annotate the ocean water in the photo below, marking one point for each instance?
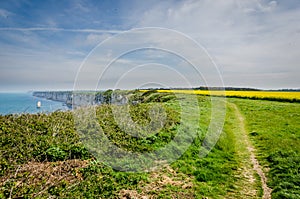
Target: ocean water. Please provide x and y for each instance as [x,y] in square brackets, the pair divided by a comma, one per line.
[16,103]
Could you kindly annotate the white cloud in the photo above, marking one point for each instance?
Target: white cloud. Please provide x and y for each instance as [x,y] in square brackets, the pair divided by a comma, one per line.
[255,42]
[94,39]
[4,13]
[87,30]
[243,36]
[250,6]
[80,7]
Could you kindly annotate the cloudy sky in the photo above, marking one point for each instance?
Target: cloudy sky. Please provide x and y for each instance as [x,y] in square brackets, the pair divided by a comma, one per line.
[47,44]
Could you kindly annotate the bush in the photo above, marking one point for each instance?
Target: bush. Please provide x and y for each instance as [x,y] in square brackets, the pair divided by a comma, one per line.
[55,154]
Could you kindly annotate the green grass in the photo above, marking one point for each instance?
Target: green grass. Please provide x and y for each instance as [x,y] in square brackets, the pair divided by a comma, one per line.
[274,128]
[212,175]
[42,155]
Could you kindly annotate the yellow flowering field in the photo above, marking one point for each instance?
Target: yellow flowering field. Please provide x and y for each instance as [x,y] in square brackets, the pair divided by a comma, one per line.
[284,95]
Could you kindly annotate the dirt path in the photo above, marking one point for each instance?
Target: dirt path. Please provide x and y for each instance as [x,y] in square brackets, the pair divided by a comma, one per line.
[246,153]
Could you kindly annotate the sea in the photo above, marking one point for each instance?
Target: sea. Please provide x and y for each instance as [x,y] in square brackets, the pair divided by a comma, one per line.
[18,103]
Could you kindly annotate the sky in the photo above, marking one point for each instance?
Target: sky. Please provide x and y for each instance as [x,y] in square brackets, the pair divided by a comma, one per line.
[61,45]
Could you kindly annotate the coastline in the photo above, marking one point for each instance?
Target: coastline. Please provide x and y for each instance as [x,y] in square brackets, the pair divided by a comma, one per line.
[25,103]
[84,98]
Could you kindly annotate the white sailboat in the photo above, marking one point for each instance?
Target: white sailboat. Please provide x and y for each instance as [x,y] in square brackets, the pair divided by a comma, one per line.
[38,104]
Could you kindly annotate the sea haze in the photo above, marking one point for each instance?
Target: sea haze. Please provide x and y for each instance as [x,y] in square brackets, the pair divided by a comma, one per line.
[17,103]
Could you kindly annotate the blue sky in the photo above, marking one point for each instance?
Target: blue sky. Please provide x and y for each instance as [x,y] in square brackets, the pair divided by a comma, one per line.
[255,43]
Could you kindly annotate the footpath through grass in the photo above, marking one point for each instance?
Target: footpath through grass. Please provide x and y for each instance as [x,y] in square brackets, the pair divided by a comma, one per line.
[274,128]
[42,155]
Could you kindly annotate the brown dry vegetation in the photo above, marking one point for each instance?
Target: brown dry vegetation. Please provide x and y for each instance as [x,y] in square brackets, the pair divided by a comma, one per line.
[159,180]
[44,175]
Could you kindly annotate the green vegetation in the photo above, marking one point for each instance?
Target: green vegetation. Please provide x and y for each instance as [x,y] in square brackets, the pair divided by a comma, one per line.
[274,128]
[43,156]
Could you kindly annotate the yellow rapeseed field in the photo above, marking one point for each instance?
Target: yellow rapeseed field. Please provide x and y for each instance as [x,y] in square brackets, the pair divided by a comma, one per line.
[245,94]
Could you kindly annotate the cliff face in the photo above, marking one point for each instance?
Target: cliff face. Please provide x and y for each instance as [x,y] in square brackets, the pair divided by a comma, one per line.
[75,99]
[61,96]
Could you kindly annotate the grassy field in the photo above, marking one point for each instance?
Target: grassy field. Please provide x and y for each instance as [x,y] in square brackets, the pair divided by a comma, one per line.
[274,128]
[42,155]
[266,95]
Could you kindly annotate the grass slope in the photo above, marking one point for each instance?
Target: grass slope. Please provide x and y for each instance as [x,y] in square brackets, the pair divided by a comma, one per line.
[42,156]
